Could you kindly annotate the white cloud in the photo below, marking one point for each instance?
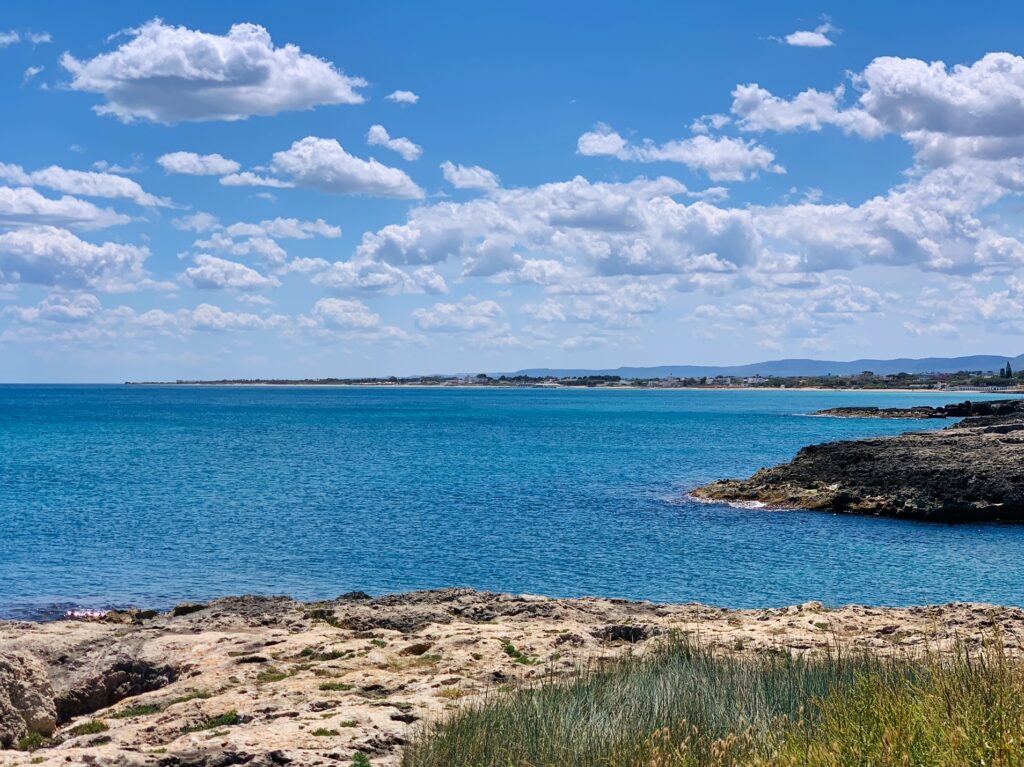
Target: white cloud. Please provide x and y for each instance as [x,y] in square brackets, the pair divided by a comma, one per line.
[469,176]
[379,136]
[818,38]
[197,164]
[345,314]
[30,73]
[947,114]
[59,307]
[9,38]
[402,97]
[47,255]
[723,158]
[759,110]
[469,314]
[212,273]
[172,74]
[247,178]
[284,228]
[82,182]
[323,164]
[367,276]
[38,38]
[630,228]
[196,222]
[264,247]
[213,318]
[23,205]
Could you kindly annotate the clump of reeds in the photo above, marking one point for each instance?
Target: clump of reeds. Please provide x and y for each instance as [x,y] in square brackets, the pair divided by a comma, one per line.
[688,706]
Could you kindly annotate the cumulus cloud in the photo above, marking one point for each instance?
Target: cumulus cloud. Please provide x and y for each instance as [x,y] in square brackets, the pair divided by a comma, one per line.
[284,228]
[173,74]
[469,314]
[212,273]
[379,136]
[368,276]
[9,38]
[31,73]
[469,176]
[194,164]
[947,114]
[26,206]
[402,97]
[58,307]
[758,110]
[81,182]
[816,38]
[210,317]
[345,314]
[196,222]
[723,158]
[323,164]
[610,228]
[48,255]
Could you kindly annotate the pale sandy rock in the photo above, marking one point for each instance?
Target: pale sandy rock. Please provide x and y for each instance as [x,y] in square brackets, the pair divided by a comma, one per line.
[364,673]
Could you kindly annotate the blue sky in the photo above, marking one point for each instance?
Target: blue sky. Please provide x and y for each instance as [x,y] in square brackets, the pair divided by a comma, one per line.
[245,190]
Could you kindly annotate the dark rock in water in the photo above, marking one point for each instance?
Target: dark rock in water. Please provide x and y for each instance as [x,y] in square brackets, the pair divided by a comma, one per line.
[1002,407]
[969,472]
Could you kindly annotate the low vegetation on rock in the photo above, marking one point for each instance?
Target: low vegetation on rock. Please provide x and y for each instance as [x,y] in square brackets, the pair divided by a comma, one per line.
[688,706]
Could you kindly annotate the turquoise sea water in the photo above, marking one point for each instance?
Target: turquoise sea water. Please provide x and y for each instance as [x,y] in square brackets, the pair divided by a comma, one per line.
[114,495]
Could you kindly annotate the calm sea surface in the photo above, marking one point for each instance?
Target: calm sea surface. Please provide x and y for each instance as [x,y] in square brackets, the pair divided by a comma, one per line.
[113,495]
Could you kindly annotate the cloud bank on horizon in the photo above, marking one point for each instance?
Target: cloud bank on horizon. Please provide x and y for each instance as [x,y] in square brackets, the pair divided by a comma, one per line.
[210,200]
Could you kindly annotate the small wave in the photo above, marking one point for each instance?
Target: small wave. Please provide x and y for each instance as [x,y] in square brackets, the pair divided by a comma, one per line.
[733,504]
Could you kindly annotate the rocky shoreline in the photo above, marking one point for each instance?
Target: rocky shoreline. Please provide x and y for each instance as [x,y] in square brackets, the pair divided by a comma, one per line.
[957,410]
[972,471]
[267,681]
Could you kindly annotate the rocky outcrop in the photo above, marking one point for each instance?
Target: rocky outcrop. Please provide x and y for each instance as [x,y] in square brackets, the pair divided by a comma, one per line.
[26,699]
[265,681]
[1004,407]
[969,472]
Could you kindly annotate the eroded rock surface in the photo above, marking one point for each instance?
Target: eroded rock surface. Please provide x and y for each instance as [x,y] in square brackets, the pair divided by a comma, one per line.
[969,472]
[272,681]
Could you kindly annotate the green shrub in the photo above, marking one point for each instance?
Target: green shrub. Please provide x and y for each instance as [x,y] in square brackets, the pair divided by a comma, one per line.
[222,720]
[90,728]
[32,741]
[133,711]
[335,687]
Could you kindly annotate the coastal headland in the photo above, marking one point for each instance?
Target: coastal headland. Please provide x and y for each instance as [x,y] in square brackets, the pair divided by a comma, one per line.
[971,471]
[267,681]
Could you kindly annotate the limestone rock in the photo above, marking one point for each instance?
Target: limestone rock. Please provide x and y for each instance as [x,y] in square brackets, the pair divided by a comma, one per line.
[26,698]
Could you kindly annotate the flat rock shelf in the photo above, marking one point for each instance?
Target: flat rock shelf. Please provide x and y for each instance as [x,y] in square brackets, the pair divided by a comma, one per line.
[266,681]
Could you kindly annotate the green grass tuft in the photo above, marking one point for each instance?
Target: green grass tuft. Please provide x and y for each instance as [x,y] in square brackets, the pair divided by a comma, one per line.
[335,687]
[687,706]
[226,719]
[90,728]
[133,711]
[32,741]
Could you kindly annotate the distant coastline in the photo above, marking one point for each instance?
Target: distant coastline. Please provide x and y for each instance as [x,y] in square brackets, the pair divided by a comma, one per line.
[620,386]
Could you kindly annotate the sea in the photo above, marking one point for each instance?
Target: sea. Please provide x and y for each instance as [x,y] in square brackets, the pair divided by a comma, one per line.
[116,496]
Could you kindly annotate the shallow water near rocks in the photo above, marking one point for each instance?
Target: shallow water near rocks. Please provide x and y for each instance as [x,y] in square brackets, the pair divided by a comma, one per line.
[117,495]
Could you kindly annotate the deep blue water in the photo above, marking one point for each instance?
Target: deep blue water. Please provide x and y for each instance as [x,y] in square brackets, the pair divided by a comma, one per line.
[113,495]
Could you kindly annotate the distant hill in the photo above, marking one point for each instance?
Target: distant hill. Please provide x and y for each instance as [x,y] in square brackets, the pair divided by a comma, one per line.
[795,367]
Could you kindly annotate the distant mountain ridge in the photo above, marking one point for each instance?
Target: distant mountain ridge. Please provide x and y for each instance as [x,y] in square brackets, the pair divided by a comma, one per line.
[794,367]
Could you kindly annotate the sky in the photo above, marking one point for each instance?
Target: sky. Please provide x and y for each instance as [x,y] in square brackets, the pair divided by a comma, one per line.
[229,190]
